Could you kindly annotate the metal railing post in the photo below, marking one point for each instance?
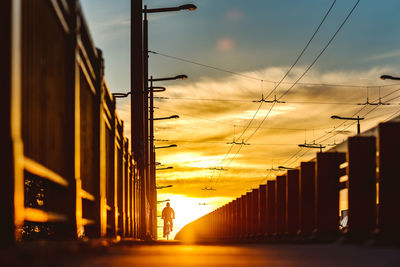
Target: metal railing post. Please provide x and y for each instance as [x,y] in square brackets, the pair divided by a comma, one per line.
[271,208]
[249,211]
[280,205]
[238,218]
[262,226]
[361,158]
[389,181]
[12,189]
[307,197]
[327,194]
[243,217]
[255,214]
[292,202]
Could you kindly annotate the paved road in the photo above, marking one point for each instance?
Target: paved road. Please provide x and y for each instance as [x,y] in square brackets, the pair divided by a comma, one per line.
[162,254]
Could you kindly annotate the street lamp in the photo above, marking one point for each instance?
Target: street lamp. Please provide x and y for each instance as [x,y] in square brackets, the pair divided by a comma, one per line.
[164,186]
[165,118]
[158,147]
[190,7]
[157,89]
[121,95]
[350,119]
[389,77]
[155,163]
[177,77]
[285,168]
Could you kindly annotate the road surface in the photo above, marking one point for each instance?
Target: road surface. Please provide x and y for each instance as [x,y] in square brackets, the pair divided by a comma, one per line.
[174,254]
[164,254]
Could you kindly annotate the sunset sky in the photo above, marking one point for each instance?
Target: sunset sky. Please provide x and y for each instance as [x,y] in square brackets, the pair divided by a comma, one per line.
[248,47]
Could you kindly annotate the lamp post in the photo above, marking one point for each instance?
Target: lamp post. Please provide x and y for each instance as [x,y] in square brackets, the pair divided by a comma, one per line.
[140,45]
[152,172]
[350,119]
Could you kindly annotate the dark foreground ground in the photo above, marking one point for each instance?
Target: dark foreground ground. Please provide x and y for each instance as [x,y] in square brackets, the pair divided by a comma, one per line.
[163,254]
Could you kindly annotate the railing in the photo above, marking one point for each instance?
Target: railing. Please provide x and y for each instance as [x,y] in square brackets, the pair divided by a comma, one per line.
[304,203]
[70,173]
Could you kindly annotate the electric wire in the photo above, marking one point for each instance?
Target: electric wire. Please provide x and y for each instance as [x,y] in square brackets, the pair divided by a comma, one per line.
[250,101]
[392,116]
[309,67]
[265,80]
[305,72]
[322,51]
[304,49]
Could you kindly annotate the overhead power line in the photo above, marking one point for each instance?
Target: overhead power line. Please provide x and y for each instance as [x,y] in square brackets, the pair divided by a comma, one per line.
[304,49]
[357,112]
[322,51]
[312,63]
[251,101]
[266,80]
[238,125]
[304,73]
[262,101]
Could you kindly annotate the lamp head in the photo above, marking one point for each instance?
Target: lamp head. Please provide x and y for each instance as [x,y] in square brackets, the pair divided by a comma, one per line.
[190,7]
[182,76]
[335,117]
[174,117]
[384,77]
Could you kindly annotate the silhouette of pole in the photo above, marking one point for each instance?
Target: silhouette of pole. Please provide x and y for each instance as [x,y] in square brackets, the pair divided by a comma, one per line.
[151,229]
[137,110]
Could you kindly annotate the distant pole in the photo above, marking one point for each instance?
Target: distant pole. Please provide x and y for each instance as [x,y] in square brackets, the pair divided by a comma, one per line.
[358,125]
[146,151]
[137,122]
[152,162]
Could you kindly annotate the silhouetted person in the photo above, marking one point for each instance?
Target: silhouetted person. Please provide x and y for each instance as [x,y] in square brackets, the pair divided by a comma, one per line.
[168,214]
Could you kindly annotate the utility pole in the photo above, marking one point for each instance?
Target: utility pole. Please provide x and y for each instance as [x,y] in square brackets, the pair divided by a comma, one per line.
[147,150]
[152,164]
[137,110]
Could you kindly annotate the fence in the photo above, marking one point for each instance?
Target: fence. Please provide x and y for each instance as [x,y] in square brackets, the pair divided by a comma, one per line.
[352,189]
[68,172]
